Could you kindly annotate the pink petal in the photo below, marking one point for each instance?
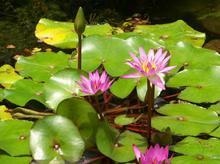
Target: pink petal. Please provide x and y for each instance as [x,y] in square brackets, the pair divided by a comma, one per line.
[136,60]
[167,69]
[156,80]
[150,55]
[137,152]
[158,54]
[103,77]
[143,55]
[132,75]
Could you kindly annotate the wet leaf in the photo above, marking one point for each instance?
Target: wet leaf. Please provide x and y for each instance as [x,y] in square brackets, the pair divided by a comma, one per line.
[83,116]
[8,76]
[4,115]
[49,141]
[171,33]
[124,120]
[183,159]
[42,65]
[118,146]
[18,160]
[62,34]
[14,137]
[23,91]
[61,86]
[202,85]
[185,119]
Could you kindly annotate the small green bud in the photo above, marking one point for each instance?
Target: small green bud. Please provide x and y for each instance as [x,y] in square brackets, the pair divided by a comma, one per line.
[80,22]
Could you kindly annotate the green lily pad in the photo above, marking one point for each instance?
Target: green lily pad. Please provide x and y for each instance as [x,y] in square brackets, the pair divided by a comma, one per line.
[61,86]
[202,85]
[14,137]
[4,115]
[124,120]
[118,146]
[8,76]
[62,34]
[183,159]
[83,116]
[42,65]
[171,33]
[198,147]
[23,91]
[18,160]
[215,107]
[123,87]
[56,136]
[191,57]
[186,119]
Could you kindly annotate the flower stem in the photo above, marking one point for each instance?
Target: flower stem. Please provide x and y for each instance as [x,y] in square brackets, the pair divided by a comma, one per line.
[150,107]
[79,51]
[98,107]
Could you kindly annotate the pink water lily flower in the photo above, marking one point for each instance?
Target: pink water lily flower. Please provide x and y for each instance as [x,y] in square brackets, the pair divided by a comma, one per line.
[95,83]
[153,155]
[151,65]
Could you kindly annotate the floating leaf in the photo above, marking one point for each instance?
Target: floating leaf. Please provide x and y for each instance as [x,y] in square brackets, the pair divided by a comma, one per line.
[14,137]
[61,86]
[23,91]
[191,57]
[83,116]
[118,146]
[124,120]
[8,76]
[185,119]
[171,33]
[198,147]
[42,65]
[128,86]
[202,84]
[62,34]
[215,107]
[5,159]
[194,160]
[56,136]
[4,115]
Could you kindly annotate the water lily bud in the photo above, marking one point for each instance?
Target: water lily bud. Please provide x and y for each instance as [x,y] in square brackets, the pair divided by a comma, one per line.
[80,22]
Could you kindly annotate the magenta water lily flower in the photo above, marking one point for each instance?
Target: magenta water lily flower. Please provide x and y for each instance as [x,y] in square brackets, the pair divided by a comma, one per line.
[151,65]
[153,155]
[95,83]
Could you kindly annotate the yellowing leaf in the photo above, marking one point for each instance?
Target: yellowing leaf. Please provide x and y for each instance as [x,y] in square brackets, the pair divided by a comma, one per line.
[3,114]
[8,76]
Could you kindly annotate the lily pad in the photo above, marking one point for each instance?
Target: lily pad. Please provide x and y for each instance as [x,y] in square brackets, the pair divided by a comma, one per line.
[202,85]
[171,33]
[61,86]
[23,91]
[128,86]
[8,76]
[83,116]
[118,146]
[186,119]
[198,147]
[18,160]
[62,34]
[215,107]
[124,120]
[55,136]
[14,137]
[191,57]
[4,115]
[42,65]
[183,159]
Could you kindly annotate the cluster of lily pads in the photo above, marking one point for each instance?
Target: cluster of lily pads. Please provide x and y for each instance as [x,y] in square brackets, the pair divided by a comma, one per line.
[68,123]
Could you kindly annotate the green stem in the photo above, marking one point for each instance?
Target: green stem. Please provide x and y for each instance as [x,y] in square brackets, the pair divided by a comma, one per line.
[150,107]
[79,51]
[98,107]
[32,112]
[23,116]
